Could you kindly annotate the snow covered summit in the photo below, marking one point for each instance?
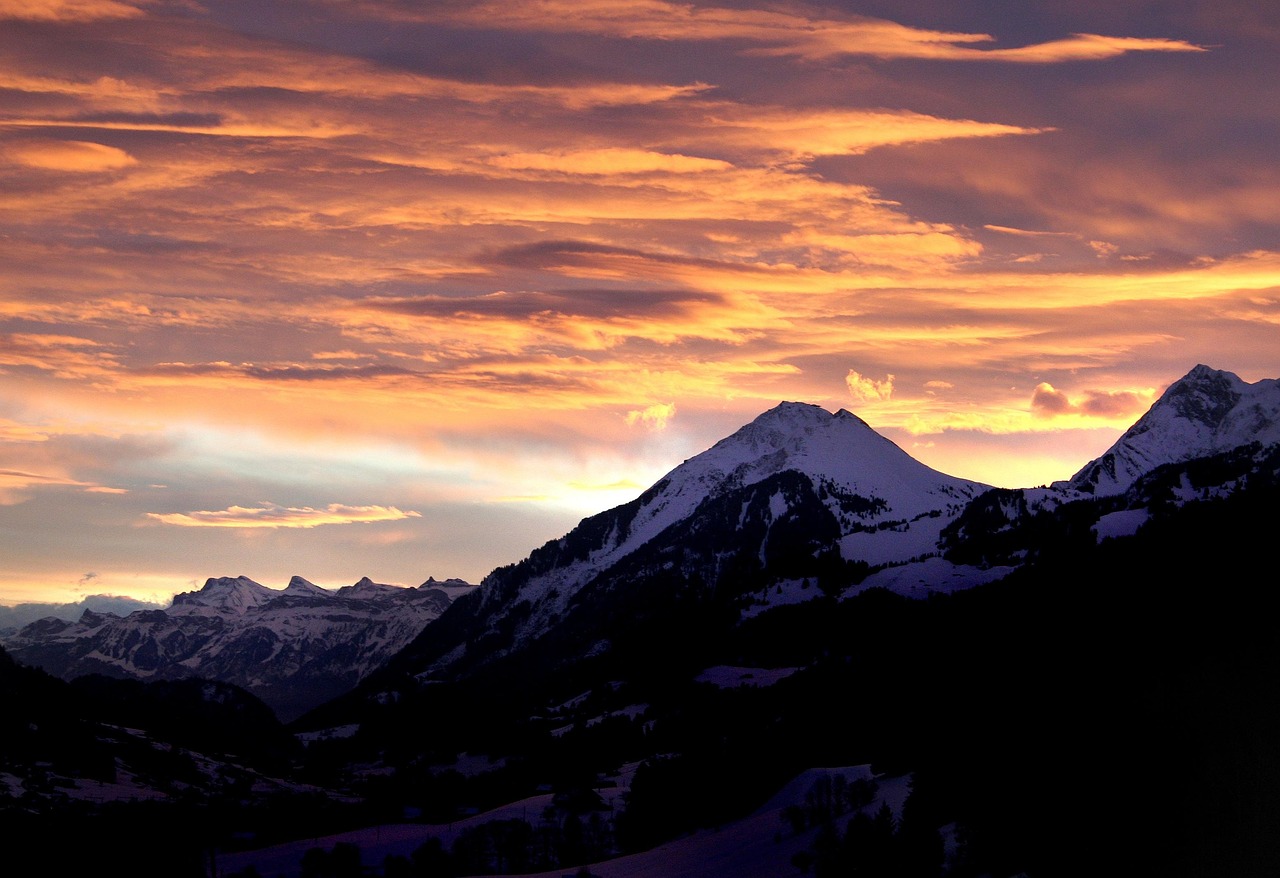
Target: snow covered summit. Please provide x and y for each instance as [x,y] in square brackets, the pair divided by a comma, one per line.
[1205,412]
[797,482]
[864,479]
[294,647]
[222,595]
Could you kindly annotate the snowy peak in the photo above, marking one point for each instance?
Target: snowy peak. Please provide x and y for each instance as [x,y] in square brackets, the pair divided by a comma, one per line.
[836,450]
[796,475]
[300,587]
[1205,412]
[293,647]
[367,589]
[809,439]
[235,595]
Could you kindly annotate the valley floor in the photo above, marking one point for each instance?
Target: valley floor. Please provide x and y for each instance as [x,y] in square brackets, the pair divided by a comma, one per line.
[761,845]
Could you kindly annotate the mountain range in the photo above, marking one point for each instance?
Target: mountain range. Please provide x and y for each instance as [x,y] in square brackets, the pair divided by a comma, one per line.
[801,503]
[294,648]
[1073,678]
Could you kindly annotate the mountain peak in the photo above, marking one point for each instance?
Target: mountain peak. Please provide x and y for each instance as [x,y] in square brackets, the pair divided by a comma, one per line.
[298,586]
[1204,395]
[881,504]
[793,412]
[1205,412]
[366,588]
[235,594]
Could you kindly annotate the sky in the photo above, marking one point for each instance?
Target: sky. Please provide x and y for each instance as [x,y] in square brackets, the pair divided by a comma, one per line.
[404,289]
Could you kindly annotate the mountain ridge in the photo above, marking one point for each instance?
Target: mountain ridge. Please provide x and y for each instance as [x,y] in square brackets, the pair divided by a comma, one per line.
[854,504]
[293,647]
[1207,411]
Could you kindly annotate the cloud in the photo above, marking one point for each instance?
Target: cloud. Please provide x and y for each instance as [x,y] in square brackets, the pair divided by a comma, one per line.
[66,10]
[809,132]
[270,515]
[1027,233]
[1049,402]
[65,356]
[71,155]
[18,479]
[782,32]
[654,417]
[864,389]
[16,485]
[608,160]
[1084,47]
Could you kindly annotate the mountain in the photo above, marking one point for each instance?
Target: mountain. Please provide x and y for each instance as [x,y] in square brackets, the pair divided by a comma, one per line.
[1205,412]
[796,495]
[801,503]
[1052,681]
[144,775]
[752,615]
[294,648]
[14,617]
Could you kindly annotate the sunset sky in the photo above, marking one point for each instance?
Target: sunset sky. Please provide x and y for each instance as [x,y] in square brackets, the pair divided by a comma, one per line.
[404,289]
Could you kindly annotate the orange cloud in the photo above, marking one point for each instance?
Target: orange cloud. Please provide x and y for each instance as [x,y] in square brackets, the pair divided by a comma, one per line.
[864,389]
[609,160]
[66,10]
[1049,402]
[1086,47]
[806,133]
[71,155]
[782,32]
[61,355]
[17,486]
[269,515]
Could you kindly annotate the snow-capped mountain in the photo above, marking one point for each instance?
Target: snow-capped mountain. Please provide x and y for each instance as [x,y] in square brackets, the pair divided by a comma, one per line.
[801,497]
[1205,412]
[293,647]
[797,487]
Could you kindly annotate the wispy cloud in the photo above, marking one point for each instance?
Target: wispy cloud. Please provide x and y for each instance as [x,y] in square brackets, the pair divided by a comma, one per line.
[782,32]
[67,10]
[491,249]
[271,515]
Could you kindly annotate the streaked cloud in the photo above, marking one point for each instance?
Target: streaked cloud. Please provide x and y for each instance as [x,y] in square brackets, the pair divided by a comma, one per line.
[784,32]
[71,155]
[452,257]
[271,515]
[66,10]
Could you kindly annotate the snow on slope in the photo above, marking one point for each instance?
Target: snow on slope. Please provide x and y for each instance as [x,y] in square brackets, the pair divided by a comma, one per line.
[293,647]
[839,450]
[890,506]
[758,846]
[1205,412]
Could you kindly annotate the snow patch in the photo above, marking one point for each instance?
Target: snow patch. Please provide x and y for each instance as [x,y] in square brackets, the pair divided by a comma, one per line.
[731,677]
[921,578]
[1124,523]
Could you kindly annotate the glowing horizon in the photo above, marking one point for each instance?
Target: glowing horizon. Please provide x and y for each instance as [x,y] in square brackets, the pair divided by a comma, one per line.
[406,290]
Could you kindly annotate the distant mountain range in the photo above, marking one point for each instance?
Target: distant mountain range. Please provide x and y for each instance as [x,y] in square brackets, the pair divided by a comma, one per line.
[294,648]
[14,617]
